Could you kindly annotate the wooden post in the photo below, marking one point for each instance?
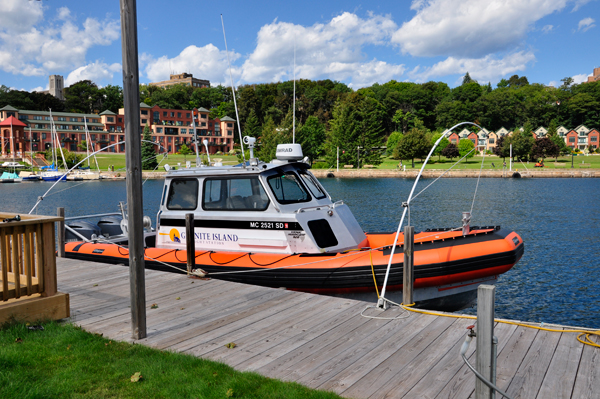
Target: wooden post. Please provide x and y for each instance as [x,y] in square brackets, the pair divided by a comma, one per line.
[408,272]
[61,233]
[135,225]
[190,243]
[48,260]
[485,332]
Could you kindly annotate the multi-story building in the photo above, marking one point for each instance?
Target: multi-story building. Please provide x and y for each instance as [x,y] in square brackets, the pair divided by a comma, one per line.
[595,76]
[170,128]
[186,79]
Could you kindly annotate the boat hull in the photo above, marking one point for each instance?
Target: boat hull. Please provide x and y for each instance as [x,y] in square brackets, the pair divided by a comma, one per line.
[446,265]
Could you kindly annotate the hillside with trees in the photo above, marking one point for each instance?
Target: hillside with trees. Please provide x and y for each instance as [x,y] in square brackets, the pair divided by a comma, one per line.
[330,114]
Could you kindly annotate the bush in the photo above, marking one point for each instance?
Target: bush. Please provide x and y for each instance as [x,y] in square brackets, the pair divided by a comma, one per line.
[320,165]
[219,153]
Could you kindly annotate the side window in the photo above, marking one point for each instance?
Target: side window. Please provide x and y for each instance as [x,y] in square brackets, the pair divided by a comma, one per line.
[287,188]
[234,194]
[183,194]
[313,186]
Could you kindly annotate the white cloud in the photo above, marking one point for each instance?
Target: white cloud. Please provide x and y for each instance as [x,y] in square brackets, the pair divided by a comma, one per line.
[206,62]
[484,69]
[19,16]
[97,72]
[585,24]
[332,50]
[39,88]
[579,4]
[34,50]
[581,78]
[547,28]
[469,28]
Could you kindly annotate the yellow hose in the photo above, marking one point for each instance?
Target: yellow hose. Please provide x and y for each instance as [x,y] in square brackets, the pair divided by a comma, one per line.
[587,333]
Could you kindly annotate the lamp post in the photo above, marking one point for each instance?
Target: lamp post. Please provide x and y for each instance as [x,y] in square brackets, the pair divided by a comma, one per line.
[358,149]
[572,154]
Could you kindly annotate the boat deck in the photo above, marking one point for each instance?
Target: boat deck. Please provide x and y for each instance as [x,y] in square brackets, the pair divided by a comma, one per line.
[324,342]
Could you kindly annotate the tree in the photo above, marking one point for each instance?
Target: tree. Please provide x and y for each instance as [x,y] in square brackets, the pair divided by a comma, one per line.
[111,98]
[443,144]
[252,126]
[522,141]
[465,147]
[392,142]
[269,139]
[467,79]
[311,136]
[544,148]
[83,97]
[356,123]
[502,148]
[450,151]
[71,158]
[516,81]
[413,145]
[149,161]
[185,151]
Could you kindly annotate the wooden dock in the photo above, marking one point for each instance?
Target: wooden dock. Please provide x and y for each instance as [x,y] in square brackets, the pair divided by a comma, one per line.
[324,342]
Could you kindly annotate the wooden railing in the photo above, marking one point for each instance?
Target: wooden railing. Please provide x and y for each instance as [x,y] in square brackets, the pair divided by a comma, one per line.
[27,256]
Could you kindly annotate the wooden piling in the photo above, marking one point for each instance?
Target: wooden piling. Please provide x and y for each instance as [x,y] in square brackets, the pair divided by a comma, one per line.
[131,102]
[190,243]
[408,273]
[61,232]
[486,295]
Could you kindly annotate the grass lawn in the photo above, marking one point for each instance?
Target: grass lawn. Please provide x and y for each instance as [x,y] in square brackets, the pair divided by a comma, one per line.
[475,163]
[64,361]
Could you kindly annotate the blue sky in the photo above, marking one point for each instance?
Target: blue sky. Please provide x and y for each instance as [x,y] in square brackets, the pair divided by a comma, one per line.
[354,42]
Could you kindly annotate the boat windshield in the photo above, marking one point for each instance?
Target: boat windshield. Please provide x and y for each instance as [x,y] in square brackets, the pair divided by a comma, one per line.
[287,188]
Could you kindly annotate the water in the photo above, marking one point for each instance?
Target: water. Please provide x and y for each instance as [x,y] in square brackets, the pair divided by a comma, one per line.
[555,281]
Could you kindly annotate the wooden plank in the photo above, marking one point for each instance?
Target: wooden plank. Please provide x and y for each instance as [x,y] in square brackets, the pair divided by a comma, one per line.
[285,364]
[251,346]
[36,308]
[528,378]
[255,323]
[4,265]
[27,259]
[562,372]
[238,320]
[15,262]
[588,376]
[326,365]
[273,354]
[379,376]
[422,365]
[39,255]
[357,370]
[512,355]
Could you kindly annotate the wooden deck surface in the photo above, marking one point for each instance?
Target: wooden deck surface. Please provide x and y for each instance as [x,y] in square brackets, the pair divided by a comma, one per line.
[324,342]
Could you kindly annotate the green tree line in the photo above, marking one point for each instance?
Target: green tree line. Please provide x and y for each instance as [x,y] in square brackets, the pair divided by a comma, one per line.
[331,115]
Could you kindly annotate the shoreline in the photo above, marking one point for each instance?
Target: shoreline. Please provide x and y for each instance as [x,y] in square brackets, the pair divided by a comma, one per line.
[411,174]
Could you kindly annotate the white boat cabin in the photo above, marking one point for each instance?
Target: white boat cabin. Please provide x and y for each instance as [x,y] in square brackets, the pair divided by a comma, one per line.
[276,207]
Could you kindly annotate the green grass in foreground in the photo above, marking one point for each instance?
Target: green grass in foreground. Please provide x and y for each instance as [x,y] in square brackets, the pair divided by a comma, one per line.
[67,362]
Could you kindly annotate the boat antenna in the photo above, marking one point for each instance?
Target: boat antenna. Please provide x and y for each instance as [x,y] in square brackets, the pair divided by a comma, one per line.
[233,90]
[294,101]
[195,138]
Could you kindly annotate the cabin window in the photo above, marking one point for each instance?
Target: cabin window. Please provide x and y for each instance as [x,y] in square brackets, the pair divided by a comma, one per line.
[234,194]
[311,184]
[183,194]
[287,188]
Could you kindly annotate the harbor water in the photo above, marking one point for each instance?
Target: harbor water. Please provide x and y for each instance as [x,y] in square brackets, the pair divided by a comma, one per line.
[556,281]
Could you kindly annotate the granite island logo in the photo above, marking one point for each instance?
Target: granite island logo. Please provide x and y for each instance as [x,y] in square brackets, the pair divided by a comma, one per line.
[173,235]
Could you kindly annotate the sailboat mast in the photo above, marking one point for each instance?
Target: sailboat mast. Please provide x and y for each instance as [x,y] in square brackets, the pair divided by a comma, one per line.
[195,138]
